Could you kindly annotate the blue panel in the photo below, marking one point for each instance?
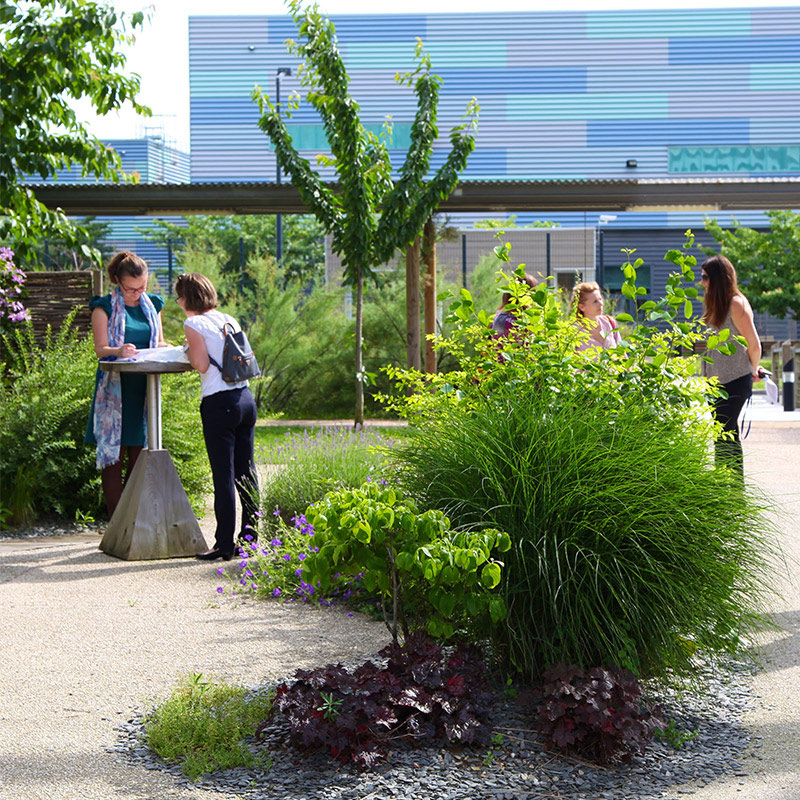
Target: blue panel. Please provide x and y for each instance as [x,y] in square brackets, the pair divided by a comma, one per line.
[608,133]
[604,77]
[774,21]
[600,105]
[659,24]
[735,103]
[212,110]
[538,81]
[769,77]
[383,28]
[774,130]
[734,50]
[279,29]
[358,28]
[560,51]
[483,164]
[505,25]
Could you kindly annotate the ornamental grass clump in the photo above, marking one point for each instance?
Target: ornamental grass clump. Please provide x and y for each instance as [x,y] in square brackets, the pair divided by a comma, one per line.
[309,464]
[203,725]
[627,545]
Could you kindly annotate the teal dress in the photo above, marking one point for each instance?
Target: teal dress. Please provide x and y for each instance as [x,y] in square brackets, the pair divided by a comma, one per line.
[134,387]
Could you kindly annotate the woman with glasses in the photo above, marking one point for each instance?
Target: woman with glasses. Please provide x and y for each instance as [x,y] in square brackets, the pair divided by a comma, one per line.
[123,321]
[727,307]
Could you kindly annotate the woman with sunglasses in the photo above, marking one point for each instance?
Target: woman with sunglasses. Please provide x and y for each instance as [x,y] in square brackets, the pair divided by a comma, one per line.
[727,307]
[123,321]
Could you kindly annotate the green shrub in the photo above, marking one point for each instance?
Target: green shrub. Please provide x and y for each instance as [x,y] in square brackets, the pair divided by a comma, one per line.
[424,573]
[308,465]
[202,724]
[46,398]
[628,546]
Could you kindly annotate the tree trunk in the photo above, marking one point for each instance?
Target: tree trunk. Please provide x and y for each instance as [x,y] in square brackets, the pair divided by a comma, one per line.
[413,357]
[358,416]
[429,257]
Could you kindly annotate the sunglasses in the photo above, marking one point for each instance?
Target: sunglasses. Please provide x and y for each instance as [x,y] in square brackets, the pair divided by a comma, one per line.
[703,277]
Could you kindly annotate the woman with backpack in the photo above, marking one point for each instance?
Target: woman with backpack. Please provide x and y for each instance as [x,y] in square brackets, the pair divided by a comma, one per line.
[227,411]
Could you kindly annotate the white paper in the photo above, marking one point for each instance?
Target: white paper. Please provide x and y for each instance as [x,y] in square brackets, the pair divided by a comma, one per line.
[160,355]
[772,390]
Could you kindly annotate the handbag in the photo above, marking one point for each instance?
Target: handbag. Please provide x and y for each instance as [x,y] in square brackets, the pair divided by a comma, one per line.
[238,361]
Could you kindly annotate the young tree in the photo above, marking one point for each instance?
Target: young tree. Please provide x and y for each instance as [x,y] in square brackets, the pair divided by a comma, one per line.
[52,53]
[767,264]
[372,214]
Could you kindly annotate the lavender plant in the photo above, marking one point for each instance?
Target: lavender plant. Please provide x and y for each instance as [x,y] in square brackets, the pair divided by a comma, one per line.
[308,465]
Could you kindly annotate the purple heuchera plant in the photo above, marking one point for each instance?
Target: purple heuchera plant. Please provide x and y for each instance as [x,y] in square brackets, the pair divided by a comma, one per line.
[421,694]
[597,714]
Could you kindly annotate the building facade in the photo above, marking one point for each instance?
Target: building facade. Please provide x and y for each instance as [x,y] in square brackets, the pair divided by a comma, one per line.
[573,95]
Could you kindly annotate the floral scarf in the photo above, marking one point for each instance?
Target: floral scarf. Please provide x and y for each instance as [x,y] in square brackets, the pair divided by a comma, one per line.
[108,398]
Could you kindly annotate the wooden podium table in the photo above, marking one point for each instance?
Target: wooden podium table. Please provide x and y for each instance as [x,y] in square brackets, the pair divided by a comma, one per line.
[154,518]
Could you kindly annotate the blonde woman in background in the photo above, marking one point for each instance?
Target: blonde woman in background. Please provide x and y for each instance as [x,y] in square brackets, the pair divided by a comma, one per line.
[587,306]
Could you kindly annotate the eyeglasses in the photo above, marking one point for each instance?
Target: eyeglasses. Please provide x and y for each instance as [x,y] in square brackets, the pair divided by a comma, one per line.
[133,289]
[704,277]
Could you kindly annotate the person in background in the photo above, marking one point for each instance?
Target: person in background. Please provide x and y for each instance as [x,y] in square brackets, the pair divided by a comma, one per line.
[505,318]
[227,411]
[587,306]
[726,307]
[123,321]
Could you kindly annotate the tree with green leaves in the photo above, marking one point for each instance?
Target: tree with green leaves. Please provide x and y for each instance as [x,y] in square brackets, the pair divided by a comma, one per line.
[89,234]
[373,213]
[767,262]
[53,53]
[249,236]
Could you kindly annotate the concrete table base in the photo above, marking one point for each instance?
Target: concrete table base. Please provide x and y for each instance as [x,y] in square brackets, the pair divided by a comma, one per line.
[154,518]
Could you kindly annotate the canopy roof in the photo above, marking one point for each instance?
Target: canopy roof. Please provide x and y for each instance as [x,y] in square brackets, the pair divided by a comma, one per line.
[682,194]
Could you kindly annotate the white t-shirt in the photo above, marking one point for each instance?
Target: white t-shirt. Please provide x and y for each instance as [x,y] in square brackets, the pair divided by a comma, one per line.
[209,326]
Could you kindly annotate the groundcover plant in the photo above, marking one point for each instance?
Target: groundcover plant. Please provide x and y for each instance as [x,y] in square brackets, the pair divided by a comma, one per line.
[627,546]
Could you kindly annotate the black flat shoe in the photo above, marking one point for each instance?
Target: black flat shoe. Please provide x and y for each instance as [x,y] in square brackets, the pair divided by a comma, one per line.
[214,554]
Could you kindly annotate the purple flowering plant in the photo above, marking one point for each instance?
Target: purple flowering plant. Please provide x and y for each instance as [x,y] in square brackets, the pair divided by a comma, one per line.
[307,464]
[273,567]
[12,291]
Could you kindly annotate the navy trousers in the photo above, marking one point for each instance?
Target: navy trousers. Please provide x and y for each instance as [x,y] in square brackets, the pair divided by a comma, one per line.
[229,422]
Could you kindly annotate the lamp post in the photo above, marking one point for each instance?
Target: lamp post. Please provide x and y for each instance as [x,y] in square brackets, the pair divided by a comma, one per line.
[278,218]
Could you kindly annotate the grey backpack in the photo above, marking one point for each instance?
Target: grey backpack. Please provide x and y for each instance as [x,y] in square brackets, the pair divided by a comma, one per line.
[238,361]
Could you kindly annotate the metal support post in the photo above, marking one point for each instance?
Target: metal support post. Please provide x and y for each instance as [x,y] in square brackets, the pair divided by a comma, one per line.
[788,376]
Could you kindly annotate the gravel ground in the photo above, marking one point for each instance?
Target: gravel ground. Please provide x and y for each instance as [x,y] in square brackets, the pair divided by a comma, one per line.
[90,642]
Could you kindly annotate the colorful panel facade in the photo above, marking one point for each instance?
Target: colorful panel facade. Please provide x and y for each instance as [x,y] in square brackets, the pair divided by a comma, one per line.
[554,89]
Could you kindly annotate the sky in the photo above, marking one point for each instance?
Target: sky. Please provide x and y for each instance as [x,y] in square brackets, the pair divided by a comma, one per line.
[160,54]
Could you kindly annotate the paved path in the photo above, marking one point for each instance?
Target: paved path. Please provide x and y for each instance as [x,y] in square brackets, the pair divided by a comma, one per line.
[86,638]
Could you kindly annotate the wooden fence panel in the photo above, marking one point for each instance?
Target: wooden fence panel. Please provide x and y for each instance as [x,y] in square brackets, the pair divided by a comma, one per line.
[52,295]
